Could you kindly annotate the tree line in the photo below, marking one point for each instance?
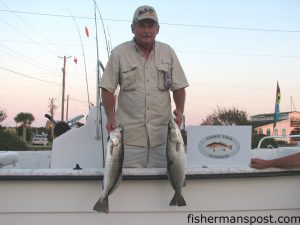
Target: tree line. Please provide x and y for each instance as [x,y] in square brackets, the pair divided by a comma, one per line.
[17,140]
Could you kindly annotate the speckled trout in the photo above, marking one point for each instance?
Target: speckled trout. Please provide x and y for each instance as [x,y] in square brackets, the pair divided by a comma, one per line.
[176,161]
[113,168]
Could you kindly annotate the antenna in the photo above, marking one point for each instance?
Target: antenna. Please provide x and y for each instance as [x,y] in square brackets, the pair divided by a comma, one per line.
[292,105]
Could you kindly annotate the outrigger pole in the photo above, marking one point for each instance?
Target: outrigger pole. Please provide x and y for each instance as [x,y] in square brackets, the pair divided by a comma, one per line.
[87,84]
[98,98]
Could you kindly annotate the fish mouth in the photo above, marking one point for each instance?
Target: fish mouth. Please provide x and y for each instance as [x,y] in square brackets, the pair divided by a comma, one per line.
[119,128]
[115,141]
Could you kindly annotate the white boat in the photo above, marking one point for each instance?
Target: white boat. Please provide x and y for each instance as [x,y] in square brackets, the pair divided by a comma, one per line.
[55,193]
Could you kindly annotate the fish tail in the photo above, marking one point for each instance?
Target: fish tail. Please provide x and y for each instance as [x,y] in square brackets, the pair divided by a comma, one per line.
[180,201]
[177,200]
[102,205]
[173,201]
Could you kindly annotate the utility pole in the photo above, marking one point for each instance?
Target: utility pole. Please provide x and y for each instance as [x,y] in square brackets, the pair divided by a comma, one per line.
[67,114]
[63,87]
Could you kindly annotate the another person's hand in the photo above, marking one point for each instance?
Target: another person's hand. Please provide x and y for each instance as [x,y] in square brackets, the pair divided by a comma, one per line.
[178,117]
[260,163]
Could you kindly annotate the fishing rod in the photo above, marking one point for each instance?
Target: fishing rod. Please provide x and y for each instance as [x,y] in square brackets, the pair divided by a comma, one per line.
[106,41]
[87,84]
[98,98]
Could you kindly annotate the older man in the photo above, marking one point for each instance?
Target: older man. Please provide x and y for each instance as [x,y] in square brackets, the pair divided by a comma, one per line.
[146,72]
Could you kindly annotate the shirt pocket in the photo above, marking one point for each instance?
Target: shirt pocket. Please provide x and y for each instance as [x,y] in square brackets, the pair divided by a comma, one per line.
[129,77]
[164,78]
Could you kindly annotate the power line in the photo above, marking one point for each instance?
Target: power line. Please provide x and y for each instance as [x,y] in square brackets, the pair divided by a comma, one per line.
[34,29]
[232,28]
[25,35]
[169,24]
[239,54]
[46,43]
[24,75]
[25,59]
[18,88]
[76,100]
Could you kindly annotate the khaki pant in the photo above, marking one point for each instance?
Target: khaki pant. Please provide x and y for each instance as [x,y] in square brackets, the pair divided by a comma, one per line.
[145,157]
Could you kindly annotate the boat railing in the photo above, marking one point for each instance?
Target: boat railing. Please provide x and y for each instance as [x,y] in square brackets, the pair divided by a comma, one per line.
[274,137]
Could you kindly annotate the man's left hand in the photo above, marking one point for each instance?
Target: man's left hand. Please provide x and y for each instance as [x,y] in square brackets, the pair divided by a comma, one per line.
[178,117]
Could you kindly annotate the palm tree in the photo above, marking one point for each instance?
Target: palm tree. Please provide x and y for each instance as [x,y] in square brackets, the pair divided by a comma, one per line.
[3,115]
[25,119]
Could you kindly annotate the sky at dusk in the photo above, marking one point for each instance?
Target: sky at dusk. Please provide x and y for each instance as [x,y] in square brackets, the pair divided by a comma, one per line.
[233,52]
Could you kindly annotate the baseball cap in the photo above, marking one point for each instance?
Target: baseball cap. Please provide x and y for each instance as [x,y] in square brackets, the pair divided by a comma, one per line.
[145,12]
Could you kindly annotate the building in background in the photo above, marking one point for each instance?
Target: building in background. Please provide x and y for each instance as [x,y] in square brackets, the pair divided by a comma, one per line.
[288,123]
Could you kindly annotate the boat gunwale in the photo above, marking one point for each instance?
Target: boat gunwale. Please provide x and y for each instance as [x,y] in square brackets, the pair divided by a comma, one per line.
[142,174]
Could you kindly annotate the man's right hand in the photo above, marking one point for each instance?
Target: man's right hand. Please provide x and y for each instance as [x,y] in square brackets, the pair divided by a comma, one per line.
[108,100]
[111,124]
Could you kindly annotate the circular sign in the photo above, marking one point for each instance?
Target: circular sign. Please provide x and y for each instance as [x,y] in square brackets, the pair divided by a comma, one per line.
[219,146]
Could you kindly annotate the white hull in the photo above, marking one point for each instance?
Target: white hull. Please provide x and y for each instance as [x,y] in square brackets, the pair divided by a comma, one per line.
[62,196]
[67,197]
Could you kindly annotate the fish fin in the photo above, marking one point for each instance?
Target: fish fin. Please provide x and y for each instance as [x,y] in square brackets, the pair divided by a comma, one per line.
[117,184]
[97,206]
[120,179]
[102,206]
[170,163]
[180,201]
[173,201]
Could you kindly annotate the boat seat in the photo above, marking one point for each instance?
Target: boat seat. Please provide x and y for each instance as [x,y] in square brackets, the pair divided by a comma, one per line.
[8,158]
